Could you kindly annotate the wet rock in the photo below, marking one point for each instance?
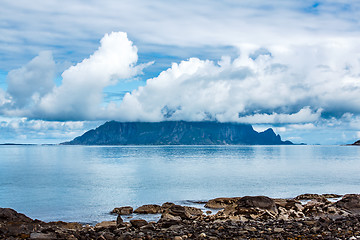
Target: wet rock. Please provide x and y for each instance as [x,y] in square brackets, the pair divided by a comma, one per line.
[218,203]
[350,202]
[149,209]
[123,210]
[138,223]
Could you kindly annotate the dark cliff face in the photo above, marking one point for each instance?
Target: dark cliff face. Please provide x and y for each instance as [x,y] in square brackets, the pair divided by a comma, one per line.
[357,143]
[176,133]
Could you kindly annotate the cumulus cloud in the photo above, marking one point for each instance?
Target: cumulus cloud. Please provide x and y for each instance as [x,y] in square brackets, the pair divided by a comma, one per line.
[274,84]
[32,81]
[32,91]
[280,84]
[80,93]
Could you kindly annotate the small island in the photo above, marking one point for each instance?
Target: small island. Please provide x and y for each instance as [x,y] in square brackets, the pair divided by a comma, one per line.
[177,133]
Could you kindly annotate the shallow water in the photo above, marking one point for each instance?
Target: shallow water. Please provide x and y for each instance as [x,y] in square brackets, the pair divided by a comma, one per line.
[84,183]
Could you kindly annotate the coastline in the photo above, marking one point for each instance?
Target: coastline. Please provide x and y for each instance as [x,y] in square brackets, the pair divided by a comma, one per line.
[307,216]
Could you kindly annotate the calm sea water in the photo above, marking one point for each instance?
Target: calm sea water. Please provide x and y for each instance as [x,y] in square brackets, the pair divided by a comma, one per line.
[82,183]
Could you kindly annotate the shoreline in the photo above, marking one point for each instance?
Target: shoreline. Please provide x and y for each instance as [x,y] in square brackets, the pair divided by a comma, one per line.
[307,216]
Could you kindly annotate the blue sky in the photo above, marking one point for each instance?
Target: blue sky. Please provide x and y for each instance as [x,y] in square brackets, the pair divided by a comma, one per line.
[68,66]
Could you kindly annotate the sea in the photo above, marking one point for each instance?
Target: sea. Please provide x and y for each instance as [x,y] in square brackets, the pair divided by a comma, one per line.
[84,183]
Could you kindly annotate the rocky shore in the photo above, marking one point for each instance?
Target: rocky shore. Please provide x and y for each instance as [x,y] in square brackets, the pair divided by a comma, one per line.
[308,216]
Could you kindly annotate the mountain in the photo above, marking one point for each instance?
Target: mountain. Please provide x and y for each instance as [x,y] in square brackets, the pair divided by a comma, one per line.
[176,133]
[357,143]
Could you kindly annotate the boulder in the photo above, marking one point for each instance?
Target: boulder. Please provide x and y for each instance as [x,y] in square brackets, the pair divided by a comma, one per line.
[218,203]
[138,223]
[167,205]
[123,210]
[350,202]
[149,209]
[261,202]
[184,212]
[119,220]
[288,203]
[10,215]
[168,217]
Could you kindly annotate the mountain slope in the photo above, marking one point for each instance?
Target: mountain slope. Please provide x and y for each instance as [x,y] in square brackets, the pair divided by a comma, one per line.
[176,133]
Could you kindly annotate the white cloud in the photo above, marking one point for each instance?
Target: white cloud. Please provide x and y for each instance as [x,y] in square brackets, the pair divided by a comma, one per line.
[28,29]
[23,130]
[32,91]
[80,94]
[291,84]
[305,115]
[32,81]
[277,85]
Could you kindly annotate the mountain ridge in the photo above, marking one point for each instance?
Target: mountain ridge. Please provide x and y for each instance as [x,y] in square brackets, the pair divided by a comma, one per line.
[176,133]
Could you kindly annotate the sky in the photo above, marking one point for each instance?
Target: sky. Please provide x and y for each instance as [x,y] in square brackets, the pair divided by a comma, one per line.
[69,66]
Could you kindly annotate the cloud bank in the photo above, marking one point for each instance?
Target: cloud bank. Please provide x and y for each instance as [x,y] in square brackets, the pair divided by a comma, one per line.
[293,84]
[263,85]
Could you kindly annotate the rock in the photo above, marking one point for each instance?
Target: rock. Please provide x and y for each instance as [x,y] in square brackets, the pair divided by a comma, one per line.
[219,203]
[168,217]
[278,230]
[308,196]
[106,224]
[331,195]
[46,236]
[108,235]
[119,220]
[250,229]
[184,212]
[350,202]
[149,209]
[257,201]
[167,205]
[178,238]
[123,210]
[138,223]
[202,235]
[10,215]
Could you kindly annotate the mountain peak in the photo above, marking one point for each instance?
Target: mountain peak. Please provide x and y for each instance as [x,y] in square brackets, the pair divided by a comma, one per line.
[176,133]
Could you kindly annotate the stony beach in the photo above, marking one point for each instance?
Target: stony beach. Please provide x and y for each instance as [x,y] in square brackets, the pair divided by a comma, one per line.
[307,216]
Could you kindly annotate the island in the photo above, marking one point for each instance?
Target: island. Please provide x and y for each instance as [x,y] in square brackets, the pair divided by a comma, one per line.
[177,133]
